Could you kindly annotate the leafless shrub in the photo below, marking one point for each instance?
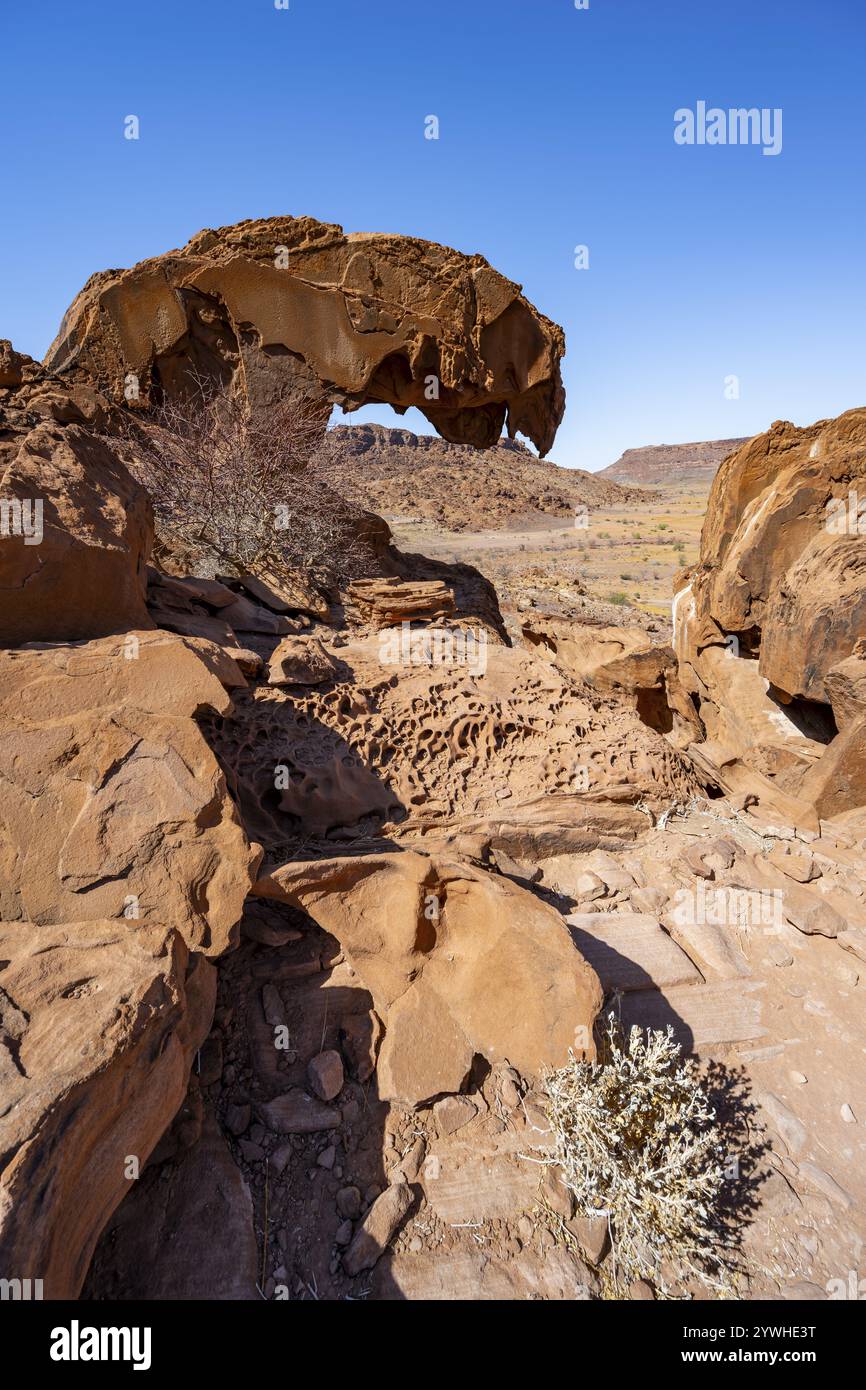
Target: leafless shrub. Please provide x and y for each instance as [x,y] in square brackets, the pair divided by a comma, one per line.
[248,486]
[636,1139]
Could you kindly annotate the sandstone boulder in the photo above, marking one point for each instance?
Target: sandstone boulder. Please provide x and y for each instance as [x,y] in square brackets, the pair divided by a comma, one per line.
[458,962]
[99,1022]
[112,803]
[301,661]
[76,531]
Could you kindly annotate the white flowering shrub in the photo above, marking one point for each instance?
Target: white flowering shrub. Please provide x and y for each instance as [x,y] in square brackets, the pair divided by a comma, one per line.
[637,1140]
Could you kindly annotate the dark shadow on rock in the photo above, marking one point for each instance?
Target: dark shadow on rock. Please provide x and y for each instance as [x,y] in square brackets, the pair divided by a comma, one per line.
[229,1207]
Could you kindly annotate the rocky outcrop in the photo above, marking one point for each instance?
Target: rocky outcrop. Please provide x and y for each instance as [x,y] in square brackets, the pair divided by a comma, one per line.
[775,609]
[622,661]
[779,554]
[294,303]
[112,803]
[124,863]
[76,528]
[459,963]
[435,729]
[99,1022]
[123,866]
[386,601]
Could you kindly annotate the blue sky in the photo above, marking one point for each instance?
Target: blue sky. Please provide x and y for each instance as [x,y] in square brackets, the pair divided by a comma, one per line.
[556,129]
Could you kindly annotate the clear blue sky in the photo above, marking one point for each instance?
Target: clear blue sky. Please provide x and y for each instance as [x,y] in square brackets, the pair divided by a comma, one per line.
[556,130]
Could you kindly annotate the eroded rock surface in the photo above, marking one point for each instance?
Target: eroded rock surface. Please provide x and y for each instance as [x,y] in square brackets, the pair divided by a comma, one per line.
[777,604]
[100,1021]
[459,963]
[77,528]
[291,302]
[113,805]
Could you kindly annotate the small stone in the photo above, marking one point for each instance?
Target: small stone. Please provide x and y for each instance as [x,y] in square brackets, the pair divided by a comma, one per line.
[325,1075]
[237,1119]
[556,1194]
[412,1161]
[848,1115]
[416,1245]
[281,1157]
[350,1112]
[809,913]
[641,1290]
[649,900]
[453,1113]
[344,1233]
[589,886]
[524,1229]
[253,1153]
[509,1094]
[326,1157]
[798,1078]
[294,1112]
[591,1234]
[797,865]
[349,1202]
[778,954]
[272,1005]
[378,1228]
[791,1130]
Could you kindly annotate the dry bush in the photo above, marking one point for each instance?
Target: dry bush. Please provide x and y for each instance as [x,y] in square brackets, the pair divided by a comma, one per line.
[636,1139]
[248,487]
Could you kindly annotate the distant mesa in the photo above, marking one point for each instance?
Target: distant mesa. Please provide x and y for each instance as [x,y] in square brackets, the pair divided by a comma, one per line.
[657,465]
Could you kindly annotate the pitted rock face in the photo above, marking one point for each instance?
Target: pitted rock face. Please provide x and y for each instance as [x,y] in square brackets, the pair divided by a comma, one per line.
[352,319]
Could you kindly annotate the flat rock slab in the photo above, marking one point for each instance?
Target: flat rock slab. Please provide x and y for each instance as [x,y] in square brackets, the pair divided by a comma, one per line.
[478,1277]
[701,1015]
[713,948]
[483,1179]
[630,951]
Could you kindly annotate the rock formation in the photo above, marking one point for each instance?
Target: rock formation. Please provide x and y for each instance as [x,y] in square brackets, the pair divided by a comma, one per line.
[350,319]
[303,885]
[459,964]
[76,527]
[777,602]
